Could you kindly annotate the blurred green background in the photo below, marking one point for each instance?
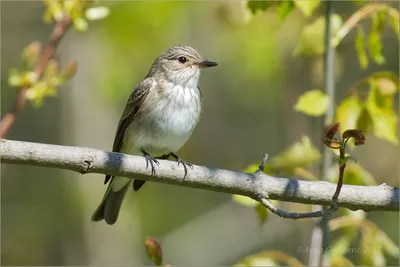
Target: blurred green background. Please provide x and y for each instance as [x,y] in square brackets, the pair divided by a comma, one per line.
[248,110]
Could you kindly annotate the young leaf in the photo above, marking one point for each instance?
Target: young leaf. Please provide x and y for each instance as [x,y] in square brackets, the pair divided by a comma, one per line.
[364,121]
[384,123]
[307,7]
[259,5]
[312,36]
[269,258]
[386,82]
[284,8]
[153,250]
[394,21]
[340,245]
[96,13]
[357,175]
[245,201]
[349,112]
[300,154]
[375,41]
[383,117]
[262,213]
[387,244]
[340,261]
[313,103]
[360,48]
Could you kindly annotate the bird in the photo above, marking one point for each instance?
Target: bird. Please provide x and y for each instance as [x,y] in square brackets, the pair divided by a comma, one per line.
[159,118]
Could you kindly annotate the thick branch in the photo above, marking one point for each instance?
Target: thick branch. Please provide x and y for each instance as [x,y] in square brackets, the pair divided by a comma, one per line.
[256,185]
[58,32]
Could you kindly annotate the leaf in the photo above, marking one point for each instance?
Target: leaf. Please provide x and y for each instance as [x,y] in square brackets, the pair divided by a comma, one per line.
[312,36]
[340,261]
[372,251]
[375,47]
[269,258]
[360,48]
[349,112]
[284,8]
[387,244]
[96,13]
[313,103]
[262,213]
[375,41]
[394,21]
[245,201]
[364,121]
[153,250]
[357,175]
[340,245]
[301,154]
[307,7]
[384,124]
[386,82]
[259,5]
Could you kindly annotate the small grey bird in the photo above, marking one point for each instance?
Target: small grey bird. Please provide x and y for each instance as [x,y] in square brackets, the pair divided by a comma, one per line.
[159,117]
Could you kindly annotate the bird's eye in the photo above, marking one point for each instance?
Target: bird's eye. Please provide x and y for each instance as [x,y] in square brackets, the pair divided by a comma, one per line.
[182,59]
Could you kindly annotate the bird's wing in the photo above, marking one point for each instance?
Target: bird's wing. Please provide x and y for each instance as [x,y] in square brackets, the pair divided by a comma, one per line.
[133,105]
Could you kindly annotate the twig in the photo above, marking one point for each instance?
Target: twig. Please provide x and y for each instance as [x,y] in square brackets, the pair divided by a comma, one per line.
[58,32]
[254,185]
[361,14]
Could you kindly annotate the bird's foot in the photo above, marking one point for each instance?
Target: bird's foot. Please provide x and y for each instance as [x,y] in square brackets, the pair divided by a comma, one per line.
[184,164]
[150,161]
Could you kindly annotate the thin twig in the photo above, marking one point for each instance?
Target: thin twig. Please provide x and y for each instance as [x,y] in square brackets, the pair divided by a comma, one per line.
[295,215]
[361,14]
[58,32]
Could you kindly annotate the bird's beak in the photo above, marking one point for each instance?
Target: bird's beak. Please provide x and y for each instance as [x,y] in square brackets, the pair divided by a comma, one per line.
[206,64]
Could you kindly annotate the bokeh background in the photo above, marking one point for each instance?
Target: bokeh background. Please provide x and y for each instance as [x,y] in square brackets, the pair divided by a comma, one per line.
[248,110]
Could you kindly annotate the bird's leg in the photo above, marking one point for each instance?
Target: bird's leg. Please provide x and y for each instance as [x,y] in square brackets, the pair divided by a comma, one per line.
[184,163]
[150,160]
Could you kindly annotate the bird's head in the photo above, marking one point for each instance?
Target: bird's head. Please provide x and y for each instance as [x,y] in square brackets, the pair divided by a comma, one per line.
[180,64]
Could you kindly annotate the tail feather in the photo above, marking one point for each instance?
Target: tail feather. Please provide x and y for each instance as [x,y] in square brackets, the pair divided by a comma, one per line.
[110,205]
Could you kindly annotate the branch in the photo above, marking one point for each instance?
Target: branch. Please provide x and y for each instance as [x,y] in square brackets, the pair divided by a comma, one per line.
[58,32]
[255,185]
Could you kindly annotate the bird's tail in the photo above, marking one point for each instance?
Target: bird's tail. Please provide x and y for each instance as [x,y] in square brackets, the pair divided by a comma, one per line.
[112,200]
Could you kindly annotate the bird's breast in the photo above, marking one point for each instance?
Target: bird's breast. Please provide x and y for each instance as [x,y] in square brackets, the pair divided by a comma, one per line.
[168,120]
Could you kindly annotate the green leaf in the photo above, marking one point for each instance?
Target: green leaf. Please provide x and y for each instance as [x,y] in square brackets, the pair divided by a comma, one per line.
[357,175]
[284,8]
[375,47]
[384,123]
[312,37]
[313,103]
[349,112]
[364,122]
[387,244]
[262,213]
[383,117]
[386,82]
[96,13]
[360,48]
[245,201]
[307,7]
[259,5]
[375,41]
[380,19]
[340,261]
[153,250]
[269,258]
[394,21]
[340,245]
[301,154]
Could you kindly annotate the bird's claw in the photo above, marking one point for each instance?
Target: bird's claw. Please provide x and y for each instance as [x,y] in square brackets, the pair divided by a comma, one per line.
[185,164]
[150,160]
